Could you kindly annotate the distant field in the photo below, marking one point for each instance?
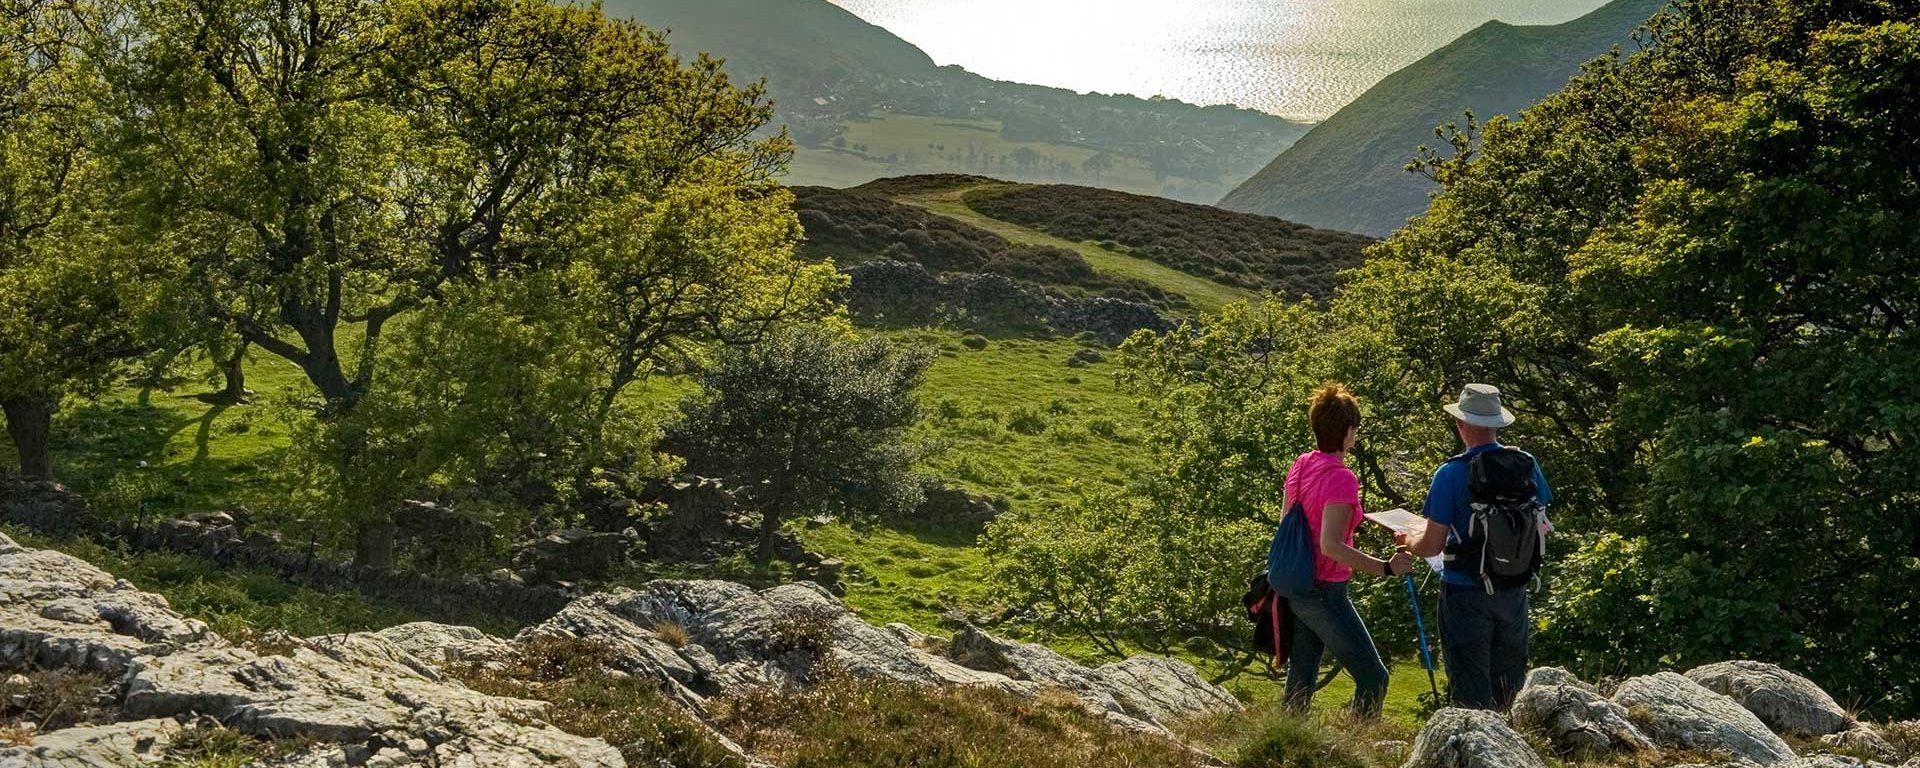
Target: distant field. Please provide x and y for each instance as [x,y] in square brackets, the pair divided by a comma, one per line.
[919,144]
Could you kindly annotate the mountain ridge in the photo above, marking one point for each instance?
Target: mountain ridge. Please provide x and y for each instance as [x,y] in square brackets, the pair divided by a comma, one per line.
[1348,172]
[862,103]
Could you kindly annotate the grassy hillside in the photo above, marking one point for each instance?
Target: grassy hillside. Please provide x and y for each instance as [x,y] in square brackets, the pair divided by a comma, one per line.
[946,195]
[864,104]
[1349,172]
[852,226]
[1250,251]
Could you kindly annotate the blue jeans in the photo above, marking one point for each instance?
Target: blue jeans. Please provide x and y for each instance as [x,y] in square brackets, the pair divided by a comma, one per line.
[1325,620]
[1484,638]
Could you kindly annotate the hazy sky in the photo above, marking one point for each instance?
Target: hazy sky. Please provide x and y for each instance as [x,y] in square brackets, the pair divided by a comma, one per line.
[1297,58]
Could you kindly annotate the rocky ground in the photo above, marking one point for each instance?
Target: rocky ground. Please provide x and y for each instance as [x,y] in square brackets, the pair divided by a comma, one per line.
[1734,714]
[158,686]
[387,699]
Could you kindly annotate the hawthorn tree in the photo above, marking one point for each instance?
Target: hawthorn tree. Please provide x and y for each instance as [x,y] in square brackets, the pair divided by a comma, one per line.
[808,422]
[68,292]
[324,167]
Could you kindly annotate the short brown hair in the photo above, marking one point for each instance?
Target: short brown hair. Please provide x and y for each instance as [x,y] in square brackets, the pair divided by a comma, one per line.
[1333,412]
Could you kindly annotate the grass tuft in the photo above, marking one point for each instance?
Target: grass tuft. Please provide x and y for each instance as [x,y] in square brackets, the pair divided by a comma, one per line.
[849,723]
[672,633]
[588,699]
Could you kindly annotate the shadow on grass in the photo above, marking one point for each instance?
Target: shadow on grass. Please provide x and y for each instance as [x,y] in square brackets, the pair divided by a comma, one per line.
[118,454]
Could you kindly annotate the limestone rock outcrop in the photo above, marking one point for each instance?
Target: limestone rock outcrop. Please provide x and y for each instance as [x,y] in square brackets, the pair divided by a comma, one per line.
[1468,738]
[1786,702]
[1679,713]
[361,692]
[1554,676]
[704,639]
[1577,720]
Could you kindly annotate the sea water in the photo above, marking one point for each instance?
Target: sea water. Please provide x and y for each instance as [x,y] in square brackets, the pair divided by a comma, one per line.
[1300,59]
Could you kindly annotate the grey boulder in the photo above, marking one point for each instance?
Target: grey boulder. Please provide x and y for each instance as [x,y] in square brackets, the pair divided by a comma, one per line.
[1470,738]
[1141,689]
[1577,721]
[443,644]
[1786,702]
[114,745]
[705,639]
[1862,738]
[1553,676]
[1679,713]
[358,692]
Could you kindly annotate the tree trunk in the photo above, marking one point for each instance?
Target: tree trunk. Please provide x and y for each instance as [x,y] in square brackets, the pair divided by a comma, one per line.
[373,543]
[236,376]
[30,424]
[769,529]
[324,368]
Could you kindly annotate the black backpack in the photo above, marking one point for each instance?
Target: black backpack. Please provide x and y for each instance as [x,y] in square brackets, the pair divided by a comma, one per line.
[1505,543]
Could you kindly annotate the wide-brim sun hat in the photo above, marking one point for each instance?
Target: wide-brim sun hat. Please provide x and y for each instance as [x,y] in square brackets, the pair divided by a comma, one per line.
[1479,405]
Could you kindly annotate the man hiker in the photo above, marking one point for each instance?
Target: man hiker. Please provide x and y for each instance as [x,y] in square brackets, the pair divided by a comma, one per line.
[1486,512]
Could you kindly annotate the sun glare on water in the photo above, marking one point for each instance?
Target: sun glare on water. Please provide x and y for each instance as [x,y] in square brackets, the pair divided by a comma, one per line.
[1296,58]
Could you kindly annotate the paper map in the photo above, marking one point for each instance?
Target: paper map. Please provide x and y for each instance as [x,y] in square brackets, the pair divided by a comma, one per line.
[1399,520]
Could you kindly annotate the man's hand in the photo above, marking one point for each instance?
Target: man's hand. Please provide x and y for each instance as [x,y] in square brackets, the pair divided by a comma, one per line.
[1401,538]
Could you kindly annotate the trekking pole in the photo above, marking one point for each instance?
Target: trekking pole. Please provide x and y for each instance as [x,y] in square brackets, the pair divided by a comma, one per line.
[1420,628]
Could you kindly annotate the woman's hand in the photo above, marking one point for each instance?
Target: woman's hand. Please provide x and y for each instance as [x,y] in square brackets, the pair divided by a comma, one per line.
[1401,564]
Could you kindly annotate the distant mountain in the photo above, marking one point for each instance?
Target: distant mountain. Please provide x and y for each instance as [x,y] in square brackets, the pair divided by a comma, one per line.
[802,45]
[1349,172]
[864,104]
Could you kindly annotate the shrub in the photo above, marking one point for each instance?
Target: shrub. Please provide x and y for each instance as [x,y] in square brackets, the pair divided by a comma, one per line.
[1905,738]
[810,422]
[215,746]
[1025,421]
[974,341]
[806,631]
[1105,428]
[57,698]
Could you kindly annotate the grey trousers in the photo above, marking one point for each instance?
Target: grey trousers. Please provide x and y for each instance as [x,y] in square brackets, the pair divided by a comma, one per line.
[1484,638]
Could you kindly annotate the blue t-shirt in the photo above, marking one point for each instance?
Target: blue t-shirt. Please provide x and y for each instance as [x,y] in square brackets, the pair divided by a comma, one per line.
[1447,502]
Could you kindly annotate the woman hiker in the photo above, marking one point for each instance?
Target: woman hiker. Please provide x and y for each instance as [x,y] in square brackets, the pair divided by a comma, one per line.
[1324,619]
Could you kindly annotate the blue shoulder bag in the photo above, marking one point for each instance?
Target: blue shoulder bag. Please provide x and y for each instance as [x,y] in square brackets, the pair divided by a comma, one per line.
[1290,559]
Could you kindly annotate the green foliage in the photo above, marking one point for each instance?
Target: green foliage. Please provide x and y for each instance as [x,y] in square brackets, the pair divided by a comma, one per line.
[1166,561]
[70,300]
[1682,267]
[387,187]
[1295,742]
[808,421]
[489,403]
[216,746]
